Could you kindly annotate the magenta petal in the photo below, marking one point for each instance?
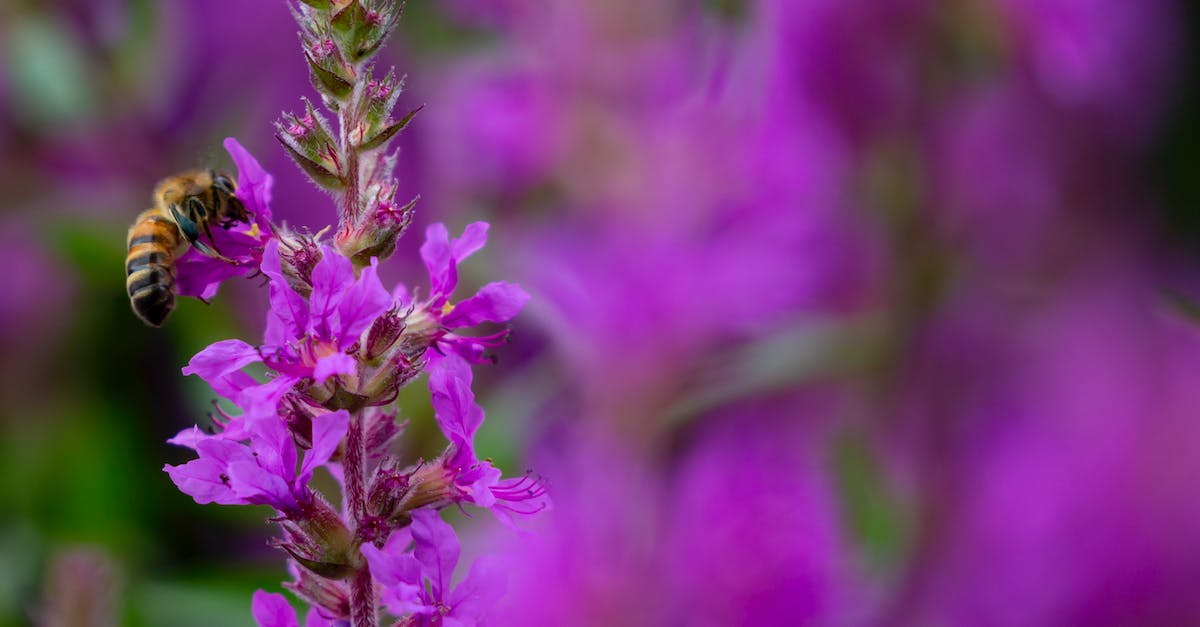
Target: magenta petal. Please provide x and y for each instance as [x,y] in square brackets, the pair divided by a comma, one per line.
[474,597]
[272,610]
[254,184]
[435,252]
[481,488]
[473,238]
[263,400]
[260,487]
[436,548]
[399,542]
[453,401]
[189,437]
[217,362]
[198,275]
[327,433]
[223,451]
[401,297]
[204,481]
[495,302]
[221,357]
[331,277]
[288,315]
[274,448]
[468,348]
[335,364]
[314,619]
[361,304]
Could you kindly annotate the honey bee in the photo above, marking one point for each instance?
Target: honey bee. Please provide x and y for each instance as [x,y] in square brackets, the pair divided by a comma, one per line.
[185,205]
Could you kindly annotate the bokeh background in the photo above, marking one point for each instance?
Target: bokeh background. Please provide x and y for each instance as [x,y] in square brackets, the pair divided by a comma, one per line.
[845,312]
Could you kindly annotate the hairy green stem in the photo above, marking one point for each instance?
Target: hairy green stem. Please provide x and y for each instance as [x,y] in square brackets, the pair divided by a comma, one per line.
[362,592]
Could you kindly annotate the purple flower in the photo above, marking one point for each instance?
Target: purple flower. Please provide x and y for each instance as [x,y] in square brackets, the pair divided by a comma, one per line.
[304,338]
[198,274]
[474,480]
[273,610]
[438,316]
[261,473]
[417,584]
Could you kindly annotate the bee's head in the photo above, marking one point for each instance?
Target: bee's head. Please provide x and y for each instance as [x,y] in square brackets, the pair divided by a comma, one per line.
[224,184]
[225,188]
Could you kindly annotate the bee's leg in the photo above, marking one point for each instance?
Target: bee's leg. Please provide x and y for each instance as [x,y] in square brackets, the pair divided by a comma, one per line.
[208,250]
[192,233]
[200,215]
[187,225]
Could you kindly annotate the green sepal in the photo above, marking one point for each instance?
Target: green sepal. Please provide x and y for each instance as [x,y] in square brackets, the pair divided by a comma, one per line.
[380,138]
[343,399]
[315,171]
[310,136]
[327,82]
[350,26]
[328,570]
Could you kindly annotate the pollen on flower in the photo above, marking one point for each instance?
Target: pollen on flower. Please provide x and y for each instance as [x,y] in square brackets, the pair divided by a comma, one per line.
[447,308]
[253,231]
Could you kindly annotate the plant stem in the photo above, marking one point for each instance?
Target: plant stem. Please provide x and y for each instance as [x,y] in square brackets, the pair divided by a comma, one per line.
[362,600]
[350,197]
[362,592]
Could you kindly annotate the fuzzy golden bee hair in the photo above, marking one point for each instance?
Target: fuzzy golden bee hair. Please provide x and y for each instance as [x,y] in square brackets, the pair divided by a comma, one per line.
[185,205]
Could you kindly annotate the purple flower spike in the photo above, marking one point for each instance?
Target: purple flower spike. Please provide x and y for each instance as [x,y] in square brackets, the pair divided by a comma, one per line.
[273,610]
[477,481]
[433,559]
[200,275]
[337,350]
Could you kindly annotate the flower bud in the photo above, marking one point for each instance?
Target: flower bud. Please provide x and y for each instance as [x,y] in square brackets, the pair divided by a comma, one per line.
[362,27]
[333,597]
[376,235]
[298,255]
[381,428]
[382,387]
[318,540]
[298,412]
[375,103]
[388,489]
[329,72]
[383,333]
[428,484]
[310,142]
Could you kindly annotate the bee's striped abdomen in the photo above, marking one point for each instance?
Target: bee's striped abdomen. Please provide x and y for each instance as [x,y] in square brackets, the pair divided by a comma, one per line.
[150,266]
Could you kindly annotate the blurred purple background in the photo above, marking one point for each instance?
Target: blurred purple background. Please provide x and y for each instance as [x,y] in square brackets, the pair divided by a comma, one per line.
[844,312]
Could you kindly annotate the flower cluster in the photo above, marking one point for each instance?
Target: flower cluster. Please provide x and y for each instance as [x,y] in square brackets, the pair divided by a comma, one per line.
[337,347]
